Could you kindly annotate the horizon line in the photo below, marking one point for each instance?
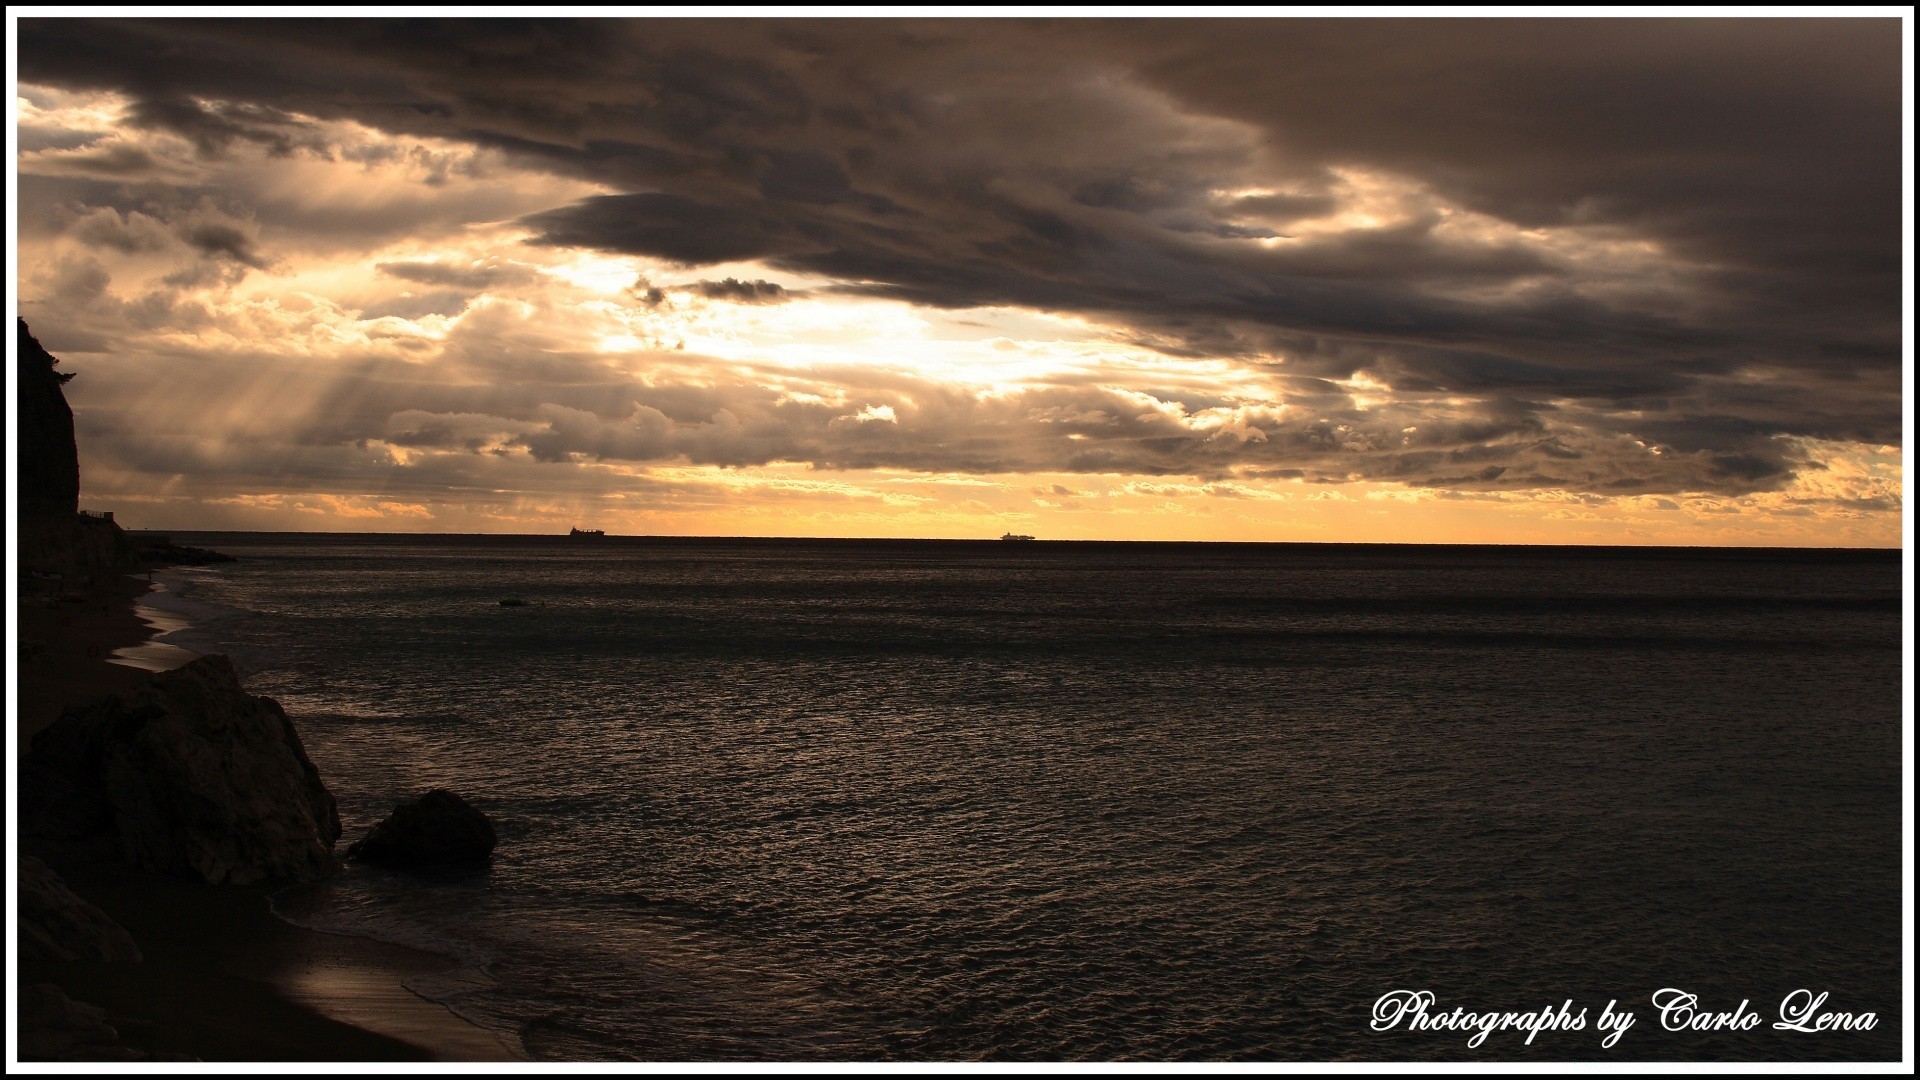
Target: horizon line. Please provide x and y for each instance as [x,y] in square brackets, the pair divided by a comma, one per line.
[1023,543]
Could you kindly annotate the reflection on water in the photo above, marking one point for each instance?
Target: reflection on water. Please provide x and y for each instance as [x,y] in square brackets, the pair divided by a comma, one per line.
[945,801]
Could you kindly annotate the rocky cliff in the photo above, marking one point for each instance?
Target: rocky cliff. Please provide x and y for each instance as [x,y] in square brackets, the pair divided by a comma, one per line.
[49,461]
[53,534]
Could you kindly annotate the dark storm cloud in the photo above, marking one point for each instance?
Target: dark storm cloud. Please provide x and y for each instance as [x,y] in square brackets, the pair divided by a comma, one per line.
[218,239]
[665,226]
[736,291]
[1735,184]
[128,233]
[221,243]
[213,130]
[1698,125]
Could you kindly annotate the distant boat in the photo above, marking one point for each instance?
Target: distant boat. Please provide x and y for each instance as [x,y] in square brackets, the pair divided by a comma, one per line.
[1016,536]
[587,534]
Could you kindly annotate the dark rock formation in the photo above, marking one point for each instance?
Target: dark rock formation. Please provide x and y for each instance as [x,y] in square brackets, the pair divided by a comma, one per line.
[162,551]
[54,1026]
[49,461]
[53,534]
[437,828]
[55,924]
[189,773]
[73,544]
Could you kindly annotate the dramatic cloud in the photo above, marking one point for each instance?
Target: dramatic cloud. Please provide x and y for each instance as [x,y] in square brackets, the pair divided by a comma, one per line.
[1491,260]
[476,277]
[742,292]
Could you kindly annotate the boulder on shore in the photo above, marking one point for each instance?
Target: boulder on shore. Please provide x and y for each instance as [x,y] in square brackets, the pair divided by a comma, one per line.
[56,924]
[188,773]
[437,828]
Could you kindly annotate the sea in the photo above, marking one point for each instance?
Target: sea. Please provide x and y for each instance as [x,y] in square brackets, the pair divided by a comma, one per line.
[848,800]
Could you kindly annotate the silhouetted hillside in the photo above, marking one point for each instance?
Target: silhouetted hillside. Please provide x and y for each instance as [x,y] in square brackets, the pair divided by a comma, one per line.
[53,534]
[49,461]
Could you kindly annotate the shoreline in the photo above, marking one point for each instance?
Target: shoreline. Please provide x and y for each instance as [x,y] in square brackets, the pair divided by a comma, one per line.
[224,978]
[154,654]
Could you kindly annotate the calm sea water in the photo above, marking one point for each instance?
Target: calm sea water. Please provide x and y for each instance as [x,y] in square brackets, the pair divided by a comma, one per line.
[919,800]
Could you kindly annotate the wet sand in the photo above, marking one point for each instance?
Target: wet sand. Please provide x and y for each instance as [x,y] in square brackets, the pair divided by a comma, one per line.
[223,978]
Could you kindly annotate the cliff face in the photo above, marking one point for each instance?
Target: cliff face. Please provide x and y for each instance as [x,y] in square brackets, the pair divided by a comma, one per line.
[49,461]
[53,535]
[73,544]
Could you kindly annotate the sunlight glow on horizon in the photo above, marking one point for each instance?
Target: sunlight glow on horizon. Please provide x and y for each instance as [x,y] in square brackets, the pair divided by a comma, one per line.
[395,274]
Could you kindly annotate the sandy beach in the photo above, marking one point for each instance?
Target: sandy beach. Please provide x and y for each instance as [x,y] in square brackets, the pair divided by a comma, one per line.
[223,978]
[68,635]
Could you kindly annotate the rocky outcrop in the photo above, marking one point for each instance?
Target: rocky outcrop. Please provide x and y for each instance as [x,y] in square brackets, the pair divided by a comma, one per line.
[162,551]
[438,828]
[74,544]
[49,460]
[191,774]
[53,1026]
[53,534]
[56,924]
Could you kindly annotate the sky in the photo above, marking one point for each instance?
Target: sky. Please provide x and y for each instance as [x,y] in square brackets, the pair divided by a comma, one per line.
[1624,281]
